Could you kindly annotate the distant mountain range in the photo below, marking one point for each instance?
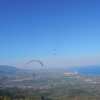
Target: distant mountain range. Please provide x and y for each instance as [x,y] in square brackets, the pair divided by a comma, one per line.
[4,69]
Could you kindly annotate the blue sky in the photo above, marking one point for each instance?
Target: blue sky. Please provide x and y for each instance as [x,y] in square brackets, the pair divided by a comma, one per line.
[31,29]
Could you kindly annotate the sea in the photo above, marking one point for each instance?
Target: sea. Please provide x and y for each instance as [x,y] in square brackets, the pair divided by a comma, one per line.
[93,69]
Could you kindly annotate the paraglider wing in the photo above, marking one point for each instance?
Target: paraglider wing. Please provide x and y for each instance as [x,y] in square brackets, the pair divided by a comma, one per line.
[34,61]
[55,54]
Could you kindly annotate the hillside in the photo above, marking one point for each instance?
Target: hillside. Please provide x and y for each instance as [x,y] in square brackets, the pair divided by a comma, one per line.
[4,69]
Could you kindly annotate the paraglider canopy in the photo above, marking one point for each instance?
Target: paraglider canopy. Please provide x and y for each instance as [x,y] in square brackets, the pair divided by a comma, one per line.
[55,54]
[34,61]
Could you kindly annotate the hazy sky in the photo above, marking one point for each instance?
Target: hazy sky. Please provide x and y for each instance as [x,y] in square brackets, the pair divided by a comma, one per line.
[31,29]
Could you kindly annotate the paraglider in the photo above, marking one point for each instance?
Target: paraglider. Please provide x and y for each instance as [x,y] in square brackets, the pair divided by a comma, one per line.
[55,54]
[34,61]
[33,75]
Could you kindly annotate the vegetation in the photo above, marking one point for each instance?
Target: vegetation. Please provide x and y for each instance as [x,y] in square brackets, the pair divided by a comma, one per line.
[53,85]
[50,94]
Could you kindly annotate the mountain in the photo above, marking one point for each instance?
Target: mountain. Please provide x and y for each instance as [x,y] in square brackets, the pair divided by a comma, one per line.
[4,69]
